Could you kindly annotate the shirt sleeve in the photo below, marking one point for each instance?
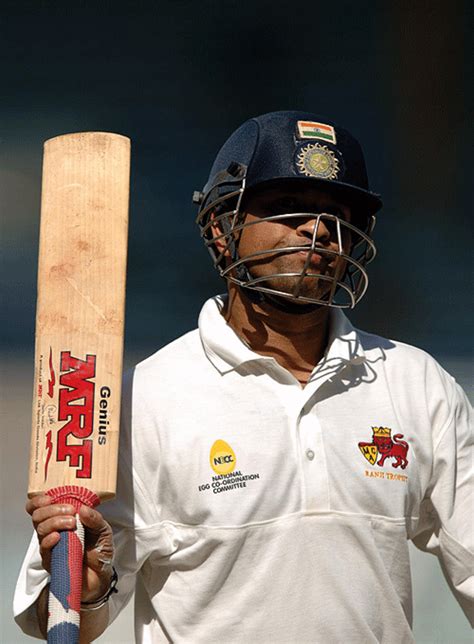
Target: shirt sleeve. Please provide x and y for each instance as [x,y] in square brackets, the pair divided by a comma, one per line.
[446,524]
[133,515]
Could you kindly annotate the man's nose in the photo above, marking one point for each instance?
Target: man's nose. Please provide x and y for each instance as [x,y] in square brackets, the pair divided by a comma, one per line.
[307,229]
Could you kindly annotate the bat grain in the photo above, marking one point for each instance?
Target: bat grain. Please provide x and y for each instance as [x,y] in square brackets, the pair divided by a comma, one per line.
[80,310]
[78,345]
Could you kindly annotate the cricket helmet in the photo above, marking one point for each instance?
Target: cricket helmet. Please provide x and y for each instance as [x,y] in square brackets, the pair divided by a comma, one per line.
[297,147]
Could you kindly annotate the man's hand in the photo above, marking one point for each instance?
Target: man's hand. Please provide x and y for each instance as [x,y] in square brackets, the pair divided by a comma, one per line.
[48,519]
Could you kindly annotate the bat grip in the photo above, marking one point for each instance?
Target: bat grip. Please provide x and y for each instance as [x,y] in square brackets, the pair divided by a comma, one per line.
[64,601]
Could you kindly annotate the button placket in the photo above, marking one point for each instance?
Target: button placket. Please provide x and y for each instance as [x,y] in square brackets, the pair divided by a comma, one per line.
[308,442]
[291,398]
[313,461]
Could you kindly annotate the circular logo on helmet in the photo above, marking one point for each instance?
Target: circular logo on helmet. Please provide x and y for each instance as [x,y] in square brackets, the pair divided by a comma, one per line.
[315,160]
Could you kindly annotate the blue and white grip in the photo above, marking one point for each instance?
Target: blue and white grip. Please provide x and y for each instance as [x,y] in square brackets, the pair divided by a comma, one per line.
[65,591]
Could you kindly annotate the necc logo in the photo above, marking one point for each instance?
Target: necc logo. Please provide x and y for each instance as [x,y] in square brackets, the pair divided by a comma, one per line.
[222,457]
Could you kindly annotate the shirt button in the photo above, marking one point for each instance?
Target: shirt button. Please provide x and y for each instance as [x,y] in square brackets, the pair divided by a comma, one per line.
[309,454]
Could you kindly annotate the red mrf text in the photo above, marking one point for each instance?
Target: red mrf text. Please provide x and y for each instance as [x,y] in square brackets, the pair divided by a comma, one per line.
[76,406]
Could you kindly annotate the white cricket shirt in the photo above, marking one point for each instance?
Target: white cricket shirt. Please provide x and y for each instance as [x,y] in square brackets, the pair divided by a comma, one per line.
[250,509]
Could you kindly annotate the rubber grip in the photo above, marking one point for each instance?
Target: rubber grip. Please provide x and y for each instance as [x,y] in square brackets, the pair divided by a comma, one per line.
[64,601]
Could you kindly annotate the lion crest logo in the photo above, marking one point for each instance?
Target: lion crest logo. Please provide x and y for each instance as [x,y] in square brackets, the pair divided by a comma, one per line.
[388,447]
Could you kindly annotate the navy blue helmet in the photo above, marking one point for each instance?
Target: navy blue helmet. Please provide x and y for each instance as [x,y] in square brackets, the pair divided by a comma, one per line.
[304,149]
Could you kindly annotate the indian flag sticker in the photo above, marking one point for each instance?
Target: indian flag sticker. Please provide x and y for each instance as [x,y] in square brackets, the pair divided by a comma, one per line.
[312,130]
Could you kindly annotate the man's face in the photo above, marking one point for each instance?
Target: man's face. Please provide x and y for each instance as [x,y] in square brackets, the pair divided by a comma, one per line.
[298,231]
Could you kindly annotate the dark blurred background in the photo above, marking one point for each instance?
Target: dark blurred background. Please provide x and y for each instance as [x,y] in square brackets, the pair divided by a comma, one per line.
[178,77]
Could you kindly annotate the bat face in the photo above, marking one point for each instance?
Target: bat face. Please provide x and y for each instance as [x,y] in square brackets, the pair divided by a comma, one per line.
[80,312]
[73,416]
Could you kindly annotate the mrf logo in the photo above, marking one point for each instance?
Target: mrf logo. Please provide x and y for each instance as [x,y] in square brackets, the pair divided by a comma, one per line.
[76,407]
[383,444]
[222,457]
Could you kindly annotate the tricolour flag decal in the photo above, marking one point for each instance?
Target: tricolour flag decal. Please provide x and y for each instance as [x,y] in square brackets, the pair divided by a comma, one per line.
[312,130]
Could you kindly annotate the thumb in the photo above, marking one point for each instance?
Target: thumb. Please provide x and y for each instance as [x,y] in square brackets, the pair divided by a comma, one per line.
[99,547]
[93,521]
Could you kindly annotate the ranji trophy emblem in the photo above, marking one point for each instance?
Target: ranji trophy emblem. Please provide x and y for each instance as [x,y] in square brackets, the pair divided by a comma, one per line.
[388,447]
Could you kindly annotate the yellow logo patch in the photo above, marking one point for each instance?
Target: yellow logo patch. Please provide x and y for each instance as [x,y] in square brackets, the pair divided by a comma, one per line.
[222,457]
[370,452]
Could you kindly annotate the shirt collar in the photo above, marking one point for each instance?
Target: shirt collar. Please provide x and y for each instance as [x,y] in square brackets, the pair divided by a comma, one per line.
[344,341]
[224,348]
[227,351]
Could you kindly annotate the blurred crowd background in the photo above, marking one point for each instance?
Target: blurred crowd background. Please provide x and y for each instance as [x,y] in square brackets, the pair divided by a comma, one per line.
[178,77]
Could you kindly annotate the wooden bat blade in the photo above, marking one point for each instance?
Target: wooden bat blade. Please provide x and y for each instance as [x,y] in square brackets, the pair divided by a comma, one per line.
[80,312]
[79,344]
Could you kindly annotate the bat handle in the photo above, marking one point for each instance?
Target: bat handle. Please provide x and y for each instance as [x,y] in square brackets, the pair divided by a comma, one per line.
[64,601]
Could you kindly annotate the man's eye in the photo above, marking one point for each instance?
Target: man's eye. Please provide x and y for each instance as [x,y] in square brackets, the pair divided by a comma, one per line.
[286,204]
[333,211]
[339,213]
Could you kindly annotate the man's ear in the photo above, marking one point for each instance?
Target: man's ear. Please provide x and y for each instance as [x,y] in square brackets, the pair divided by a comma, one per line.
[216,231]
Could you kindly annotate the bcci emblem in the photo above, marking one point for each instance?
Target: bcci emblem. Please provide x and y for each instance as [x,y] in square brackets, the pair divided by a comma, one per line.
[383,444]
[316,160]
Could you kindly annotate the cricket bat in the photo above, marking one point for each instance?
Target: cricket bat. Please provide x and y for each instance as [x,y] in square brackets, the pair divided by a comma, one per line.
[79,343]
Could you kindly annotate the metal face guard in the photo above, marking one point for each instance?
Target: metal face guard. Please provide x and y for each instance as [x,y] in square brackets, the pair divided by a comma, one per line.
[345,289]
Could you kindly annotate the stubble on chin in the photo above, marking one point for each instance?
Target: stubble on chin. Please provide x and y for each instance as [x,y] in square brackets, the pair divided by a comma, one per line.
[312,287]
